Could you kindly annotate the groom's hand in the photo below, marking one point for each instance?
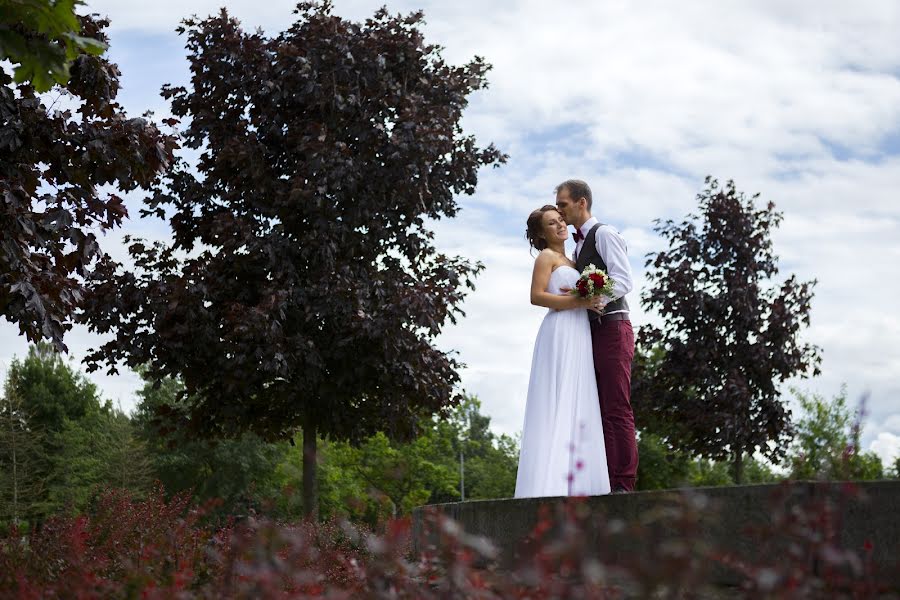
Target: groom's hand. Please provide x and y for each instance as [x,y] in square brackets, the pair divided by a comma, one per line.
[599,304]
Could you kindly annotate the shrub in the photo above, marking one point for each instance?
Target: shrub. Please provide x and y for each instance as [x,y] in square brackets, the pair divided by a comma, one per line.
[154,548]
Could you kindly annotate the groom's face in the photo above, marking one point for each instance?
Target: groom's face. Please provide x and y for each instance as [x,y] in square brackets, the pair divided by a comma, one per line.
[568,207]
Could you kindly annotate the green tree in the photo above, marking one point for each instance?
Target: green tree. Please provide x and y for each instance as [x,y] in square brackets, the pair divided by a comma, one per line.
[238,471]
[894,471]
[342,492]
[707,473]
[55,397]
[42,38]
[302,289]
[22,459]
[661,467]
[53,390]
[492,474]
[129,465]
[759,471]
[100,449]
[489,462]
[827,441]
[80,462]
[77,442]
[406,474]
[380,477]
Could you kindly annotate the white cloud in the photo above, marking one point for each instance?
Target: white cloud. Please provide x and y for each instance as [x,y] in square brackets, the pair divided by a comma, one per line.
[887,446]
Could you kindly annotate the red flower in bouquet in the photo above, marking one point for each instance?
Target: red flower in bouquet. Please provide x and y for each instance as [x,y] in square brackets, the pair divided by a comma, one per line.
[593,282]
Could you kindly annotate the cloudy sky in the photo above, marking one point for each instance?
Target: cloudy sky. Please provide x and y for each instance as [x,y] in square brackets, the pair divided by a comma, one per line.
[799,101]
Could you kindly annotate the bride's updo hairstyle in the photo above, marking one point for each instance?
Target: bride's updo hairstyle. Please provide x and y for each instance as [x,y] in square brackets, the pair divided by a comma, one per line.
[535,229]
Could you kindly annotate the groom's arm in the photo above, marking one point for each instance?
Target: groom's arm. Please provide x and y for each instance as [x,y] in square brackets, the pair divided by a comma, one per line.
[614,251]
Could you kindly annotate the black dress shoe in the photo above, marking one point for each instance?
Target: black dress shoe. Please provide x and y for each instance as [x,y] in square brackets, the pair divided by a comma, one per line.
[619,490]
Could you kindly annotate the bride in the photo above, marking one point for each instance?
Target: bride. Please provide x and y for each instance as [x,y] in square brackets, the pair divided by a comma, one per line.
[563,453]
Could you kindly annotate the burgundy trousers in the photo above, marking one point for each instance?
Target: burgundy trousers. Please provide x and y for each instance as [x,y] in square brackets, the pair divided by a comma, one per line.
[613,344]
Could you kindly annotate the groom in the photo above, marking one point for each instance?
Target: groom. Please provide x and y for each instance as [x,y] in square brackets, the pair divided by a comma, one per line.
[611,333]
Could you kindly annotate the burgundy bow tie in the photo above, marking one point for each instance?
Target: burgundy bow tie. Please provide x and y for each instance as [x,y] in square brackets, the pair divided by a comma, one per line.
[578,236]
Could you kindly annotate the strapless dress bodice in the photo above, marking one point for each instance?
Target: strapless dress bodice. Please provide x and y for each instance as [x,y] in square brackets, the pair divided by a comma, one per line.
[562,277]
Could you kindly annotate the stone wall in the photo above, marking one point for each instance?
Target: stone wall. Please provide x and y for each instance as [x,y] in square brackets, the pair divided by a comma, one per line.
[726,518]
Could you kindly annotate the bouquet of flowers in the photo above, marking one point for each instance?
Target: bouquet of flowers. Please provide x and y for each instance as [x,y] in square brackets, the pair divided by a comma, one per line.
[592,283]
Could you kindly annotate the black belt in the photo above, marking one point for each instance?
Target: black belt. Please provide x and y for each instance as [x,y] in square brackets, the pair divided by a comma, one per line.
[619,316]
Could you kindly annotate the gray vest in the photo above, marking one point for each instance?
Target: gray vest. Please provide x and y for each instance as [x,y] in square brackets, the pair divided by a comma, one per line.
[590,256]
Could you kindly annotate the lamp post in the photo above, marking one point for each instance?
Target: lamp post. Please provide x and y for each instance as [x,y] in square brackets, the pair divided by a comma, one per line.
[462,475]
[467,413]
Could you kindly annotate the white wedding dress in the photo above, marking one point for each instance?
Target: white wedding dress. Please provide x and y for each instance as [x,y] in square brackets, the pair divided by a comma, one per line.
[562,453]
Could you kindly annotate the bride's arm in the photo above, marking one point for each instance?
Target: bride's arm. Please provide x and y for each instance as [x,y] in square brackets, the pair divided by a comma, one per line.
[540,277]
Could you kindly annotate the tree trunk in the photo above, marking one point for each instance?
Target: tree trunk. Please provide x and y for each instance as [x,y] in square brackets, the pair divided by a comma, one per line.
[15,477]
[738,467]
[310,491]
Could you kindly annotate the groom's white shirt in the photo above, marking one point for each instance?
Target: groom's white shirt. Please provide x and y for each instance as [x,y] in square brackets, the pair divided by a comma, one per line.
[613,250]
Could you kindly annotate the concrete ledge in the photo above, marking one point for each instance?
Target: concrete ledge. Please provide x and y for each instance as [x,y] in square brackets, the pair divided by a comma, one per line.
[730,520]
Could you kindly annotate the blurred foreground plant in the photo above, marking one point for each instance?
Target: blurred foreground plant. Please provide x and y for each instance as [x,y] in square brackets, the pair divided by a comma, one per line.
[154,548]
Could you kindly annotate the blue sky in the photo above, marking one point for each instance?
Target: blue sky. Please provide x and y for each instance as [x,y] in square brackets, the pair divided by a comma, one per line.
[799,101]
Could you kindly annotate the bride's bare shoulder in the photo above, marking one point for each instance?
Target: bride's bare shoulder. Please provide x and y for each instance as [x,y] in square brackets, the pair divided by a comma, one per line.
[548,260]
[547,256]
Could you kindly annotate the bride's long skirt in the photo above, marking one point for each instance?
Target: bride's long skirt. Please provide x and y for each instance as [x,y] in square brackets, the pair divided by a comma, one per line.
[563,452]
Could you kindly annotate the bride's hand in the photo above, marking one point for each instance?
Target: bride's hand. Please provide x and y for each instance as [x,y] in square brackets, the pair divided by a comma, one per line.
[581,302]
[587,303]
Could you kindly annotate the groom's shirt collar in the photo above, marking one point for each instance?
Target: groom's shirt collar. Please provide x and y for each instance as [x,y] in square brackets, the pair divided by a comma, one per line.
[586,226]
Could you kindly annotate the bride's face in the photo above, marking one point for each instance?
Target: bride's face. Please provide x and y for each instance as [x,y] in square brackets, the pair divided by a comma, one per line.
[554,226]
